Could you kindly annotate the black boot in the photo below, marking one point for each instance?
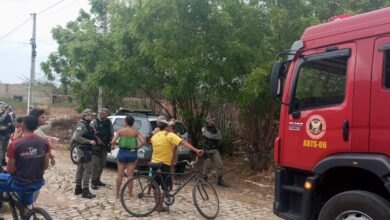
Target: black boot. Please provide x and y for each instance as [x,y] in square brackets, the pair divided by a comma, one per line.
[87,194]
[78,190]
[221,182]
[100,183]
[94,185]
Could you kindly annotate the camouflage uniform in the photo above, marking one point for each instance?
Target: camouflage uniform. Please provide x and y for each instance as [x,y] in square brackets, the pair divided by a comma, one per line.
[5,131]
[82,137]
[212,136]
[104,132]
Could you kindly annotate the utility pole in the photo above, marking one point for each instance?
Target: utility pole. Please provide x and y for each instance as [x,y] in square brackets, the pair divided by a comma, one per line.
[33,55]
[100,100]
[105,30]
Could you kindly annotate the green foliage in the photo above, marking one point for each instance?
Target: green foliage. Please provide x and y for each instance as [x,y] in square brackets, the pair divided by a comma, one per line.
[14,103]
[196,54]
[226,145]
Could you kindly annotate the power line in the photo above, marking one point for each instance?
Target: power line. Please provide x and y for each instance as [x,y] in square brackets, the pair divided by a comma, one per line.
[48,8]
[67,5]
[13,42]
[11,51]
[16,28]
[13,1]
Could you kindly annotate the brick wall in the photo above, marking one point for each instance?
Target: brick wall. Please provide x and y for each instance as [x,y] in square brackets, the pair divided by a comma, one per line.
[40,95]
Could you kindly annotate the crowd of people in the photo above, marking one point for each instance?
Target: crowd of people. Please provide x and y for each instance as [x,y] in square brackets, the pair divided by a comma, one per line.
[95,137]
[28,150]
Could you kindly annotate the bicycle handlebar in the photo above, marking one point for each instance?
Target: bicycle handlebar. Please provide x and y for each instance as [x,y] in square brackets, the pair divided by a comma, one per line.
[192,163]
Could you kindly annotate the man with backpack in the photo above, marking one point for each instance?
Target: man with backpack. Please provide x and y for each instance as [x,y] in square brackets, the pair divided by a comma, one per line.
[104,133]
[6,126]
[85,140]
[212,136]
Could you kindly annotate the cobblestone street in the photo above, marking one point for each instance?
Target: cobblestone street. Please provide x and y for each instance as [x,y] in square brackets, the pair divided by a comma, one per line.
[58,199]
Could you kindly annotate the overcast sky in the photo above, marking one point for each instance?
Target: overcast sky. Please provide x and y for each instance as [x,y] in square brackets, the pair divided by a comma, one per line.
[15,50]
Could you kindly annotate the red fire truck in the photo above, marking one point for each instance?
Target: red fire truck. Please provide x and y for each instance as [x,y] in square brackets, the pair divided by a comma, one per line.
[333,147]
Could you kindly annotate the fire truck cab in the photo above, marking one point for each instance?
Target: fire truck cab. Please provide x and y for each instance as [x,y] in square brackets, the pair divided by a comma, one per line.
[333,147]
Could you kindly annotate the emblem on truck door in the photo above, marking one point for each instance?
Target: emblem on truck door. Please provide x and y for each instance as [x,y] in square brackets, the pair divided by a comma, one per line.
[315,126]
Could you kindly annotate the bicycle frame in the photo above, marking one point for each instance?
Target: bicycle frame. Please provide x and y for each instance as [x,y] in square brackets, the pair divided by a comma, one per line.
[158,174]
[15,205]
[178,189]
[149,185]
[21,212]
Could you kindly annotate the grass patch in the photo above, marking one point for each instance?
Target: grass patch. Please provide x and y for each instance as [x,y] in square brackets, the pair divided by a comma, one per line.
[64,123]
[15,104]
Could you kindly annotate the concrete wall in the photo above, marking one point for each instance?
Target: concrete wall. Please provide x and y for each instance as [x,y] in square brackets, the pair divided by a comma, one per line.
[40,95]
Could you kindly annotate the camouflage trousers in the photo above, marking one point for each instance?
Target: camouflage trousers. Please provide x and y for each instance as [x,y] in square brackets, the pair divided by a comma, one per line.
[212,154]
[3,150]
[84,168]
[99,158]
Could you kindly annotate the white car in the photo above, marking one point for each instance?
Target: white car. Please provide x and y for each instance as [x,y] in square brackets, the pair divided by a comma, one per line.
[142,124]
[145,123]
[184,153]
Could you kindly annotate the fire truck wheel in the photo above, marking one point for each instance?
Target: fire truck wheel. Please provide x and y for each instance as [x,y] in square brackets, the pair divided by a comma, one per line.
[355,205]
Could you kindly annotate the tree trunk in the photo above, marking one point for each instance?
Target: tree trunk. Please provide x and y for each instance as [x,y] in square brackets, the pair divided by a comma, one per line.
[259,132]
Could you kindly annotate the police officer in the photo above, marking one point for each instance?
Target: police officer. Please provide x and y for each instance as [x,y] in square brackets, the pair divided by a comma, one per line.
[5,131]
[212,136]
[104,133]
[84,138]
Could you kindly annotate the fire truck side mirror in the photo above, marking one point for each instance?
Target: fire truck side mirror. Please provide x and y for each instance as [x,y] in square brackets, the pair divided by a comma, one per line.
[276,79]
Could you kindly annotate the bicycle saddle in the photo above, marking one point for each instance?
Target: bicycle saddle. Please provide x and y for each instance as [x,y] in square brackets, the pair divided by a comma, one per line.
[155,165]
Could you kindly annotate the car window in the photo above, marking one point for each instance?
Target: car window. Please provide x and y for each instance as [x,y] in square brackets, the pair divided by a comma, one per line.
[146,128]
[153,124]
[321,83]
[120,123]
[179,127]
[387,69]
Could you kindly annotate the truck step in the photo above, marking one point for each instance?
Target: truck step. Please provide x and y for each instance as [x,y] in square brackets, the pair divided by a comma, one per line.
[293,188]
[289,216]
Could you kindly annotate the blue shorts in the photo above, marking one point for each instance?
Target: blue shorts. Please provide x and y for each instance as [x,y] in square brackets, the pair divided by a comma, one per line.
[126,156]
[25,192]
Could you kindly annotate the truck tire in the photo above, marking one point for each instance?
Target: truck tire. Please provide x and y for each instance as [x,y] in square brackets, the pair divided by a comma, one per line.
[354,205]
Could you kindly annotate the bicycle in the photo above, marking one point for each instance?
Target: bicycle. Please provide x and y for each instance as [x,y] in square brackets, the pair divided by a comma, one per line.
[21,212]
[143,192]
[18,210]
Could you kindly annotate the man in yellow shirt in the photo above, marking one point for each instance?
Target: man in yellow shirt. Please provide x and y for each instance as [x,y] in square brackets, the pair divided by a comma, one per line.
[164,143]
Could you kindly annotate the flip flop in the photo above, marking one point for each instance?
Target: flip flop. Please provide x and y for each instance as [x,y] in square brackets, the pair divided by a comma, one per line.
[163,209]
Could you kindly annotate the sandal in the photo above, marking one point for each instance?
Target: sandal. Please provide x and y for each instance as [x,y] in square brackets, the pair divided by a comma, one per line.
[162,209]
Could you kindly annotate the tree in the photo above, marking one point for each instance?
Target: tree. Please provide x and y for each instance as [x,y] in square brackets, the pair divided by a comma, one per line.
[196,54]
[83,60]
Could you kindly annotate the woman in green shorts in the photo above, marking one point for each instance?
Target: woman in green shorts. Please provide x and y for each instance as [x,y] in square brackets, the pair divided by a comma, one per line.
[129,141]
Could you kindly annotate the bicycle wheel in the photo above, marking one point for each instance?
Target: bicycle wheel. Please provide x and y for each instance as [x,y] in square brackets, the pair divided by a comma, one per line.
[140,196]
[205,199]
[37,214]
